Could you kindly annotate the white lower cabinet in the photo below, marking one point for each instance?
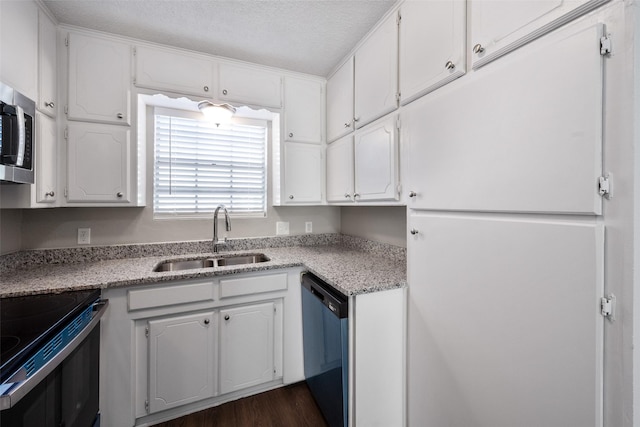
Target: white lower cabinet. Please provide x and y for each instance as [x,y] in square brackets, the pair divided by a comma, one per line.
[247,346]
[182,359]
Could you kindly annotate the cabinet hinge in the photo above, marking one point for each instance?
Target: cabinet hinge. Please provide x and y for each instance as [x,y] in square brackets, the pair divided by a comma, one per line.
[604,186]
[398,18]
[66,41]
[608,307]
[605,45]
[399,189]
[274,370]
[66,109]
[65,192]
[274,309]
[146,406]
[146,331]
[398,96]
[66,133]
[134,51]
[398,123]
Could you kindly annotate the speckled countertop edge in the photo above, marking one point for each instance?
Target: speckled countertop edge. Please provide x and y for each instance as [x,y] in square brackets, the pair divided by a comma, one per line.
[350,264]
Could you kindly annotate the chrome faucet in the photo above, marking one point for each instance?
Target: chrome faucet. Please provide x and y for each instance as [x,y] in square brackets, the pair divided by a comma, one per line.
[227,221]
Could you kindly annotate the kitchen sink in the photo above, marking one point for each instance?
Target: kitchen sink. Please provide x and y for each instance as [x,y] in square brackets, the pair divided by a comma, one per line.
[222,261]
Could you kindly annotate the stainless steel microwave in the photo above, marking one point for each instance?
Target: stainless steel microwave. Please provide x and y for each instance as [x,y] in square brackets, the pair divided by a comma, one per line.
[18,115]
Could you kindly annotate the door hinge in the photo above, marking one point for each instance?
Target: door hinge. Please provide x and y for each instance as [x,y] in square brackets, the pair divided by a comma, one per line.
[146,406]
[604,186]
[146,331]
[608,307]
[605,45]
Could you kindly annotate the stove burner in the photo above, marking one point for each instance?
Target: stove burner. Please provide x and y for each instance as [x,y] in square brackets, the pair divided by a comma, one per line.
[8,343]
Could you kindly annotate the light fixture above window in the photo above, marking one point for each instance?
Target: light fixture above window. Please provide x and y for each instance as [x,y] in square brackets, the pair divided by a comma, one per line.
[217,113]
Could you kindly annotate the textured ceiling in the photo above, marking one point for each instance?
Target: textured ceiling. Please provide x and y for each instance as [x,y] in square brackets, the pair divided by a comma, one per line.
[309,36]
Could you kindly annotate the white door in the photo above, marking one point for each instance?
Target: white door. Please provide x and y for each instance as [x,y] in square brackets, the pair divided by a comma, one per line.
[376,161]
[47,65]
[302,173]
[303,110]
[376,74]
[246,346]
[99,80]
[174,71]
[181,360]
[504,323]
[497,27]
[46,159]
[340,170]
[521,134]
[98,163]
[340,102]
[432,45]
[248,85]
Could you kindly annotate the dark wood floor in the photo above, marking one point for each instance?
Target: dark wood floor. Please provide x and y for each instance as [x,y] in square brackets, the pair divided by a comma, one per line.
[287,406]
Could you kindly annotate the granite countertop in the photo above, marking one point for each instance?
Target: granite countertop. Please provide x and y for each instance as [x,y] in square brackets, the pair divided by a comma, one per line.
[352,269]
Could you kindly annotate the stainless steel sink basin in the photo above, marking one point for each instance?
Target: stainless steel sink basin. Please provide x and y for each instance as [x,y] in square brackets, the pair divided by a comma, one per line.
[222,261]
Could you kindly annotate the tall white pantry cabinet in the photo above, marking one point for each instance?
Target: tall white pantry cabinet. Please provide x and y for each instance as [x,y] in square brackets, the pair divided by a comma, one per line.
[523,237]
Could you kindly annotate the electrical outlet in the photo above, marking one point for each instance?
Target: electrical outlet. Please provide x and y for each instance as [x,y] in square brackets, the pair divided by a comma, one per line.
[282,228]
[308,227]
[84,236]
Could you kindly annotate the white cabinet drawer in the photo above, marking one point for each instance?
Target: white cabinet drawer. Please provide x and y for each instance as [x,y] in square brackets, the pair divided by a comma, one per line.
[252,285]
[139,299]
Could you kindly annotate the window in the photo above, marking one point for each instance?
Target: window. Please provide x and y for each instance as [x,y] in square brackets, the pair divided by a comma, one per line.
[199,166]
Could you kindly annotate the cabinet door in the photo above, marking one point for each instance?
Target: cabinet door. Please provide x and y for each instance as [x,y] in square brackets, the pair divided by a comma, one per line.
[98,163]
[182,360]
[340,170]
[46,184]
[99,80]
[432,40]
[473,145]
[19,52]
[303,110]
[173,71]
[376,74]
[250,86]
[246,346]
[340,102]
[376,161]
[504,313]
[498,27]
[302,173]
[47,66]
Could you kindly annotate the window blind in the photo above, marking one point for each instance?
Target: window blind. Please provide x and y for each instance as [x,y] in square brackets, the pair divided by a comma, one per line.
[199,166]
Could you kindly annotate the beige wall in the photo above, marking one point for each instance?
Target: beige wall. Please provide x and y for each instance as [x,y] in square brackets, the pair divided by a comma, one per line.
[10,230]
[387,224]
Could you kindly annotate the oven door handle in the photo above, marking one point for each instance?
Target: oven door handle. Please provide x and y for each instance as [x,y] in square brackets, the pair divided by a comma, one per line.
[19,388]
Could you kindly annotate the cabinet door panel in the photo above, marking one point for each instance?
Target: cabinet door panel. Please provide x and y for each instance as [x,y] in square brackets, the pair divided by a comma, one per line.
[19,52]
[376,74]
[181,360]
[303,173]
[432,34]
[246,346]
[501,26]
[340,102]
[376,161]
[504,313]
[99,80]
[178,72]
[303,112]
[98,163]
[47,66]
[523,134]
[249,86]
[340,170]
[46,160]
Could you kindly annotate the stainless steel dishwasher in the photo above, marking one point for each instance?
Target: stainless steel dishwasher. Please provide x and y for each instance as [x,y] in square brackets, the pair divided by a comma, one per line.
[325,326]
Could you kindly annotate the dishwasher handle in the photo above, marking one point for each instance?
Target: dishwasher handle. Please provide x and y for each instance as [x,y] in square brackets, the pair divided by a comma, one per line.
[328,296]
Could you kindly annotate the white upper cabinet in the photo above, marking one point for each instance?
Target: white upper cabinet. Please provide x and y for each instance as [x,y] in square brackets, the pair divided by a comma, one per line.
[302,173]
[376,73]
[46,160]
[98,163]
[19,52]
[179,72]
[521,134]
[376,161]
[432,40]
[47,65]
[304,112]
[498,27]
[249,85]
[99,79]
[340,170]
[340,102]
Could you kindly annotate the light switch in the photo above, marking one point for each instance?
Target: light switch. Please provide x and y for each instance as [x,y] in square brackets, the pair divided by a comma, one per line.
[282,228]
[84,236]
